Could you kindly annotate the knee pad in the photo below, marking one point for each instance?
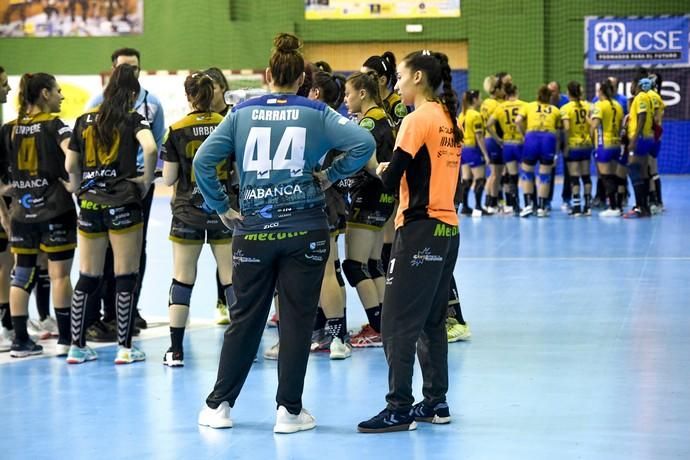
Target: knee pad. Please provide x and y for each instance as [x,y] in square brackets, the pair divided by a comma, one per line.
[24,277]
[180,293]
[355,272]
[126,283]
[87,284]
[527,176]
[574,181]
[545,178]
[338,273]
[375,267]
[587,179]
[478,183]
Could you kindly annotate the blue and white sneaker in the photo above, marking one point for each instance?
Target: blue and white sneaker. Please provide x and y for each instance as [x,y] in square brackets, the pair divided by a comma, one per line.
[129,355]
[439,413]
[78,355]
[388,421]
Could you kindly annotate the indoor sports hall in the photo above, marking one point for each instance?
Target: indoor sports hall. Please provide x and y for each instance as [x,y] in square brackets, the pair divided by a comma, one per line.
[570,339]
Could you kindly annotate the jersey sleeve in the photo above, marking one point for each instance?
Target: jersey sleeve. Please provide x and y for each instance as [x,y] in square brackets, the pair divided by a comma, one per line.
[62,130]
[596,111]
[75,137]
[168,150]
[412,134]
[478,124]
[139,123]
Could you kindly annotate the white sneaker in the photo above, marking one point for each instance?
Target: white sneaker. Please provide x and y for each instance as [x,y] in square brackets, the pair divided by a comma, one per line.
[216,418]
[477,213]
[542,213]
[61,349]
[5,340]
[272,353]
[610,213]
[289,423]
[508,210]
[491,210]
[340,350]
[526,211]
[49,324]
[34,328]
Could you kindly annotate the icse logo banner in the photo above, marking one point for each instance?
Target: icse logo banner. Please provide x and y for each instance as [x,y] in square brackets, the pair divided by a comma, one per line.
[637,41]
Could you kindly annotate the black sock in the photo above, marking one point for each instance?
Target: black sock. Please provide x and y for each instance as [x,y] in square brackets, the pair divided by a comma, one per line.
[176,337]
[5,317]
[657,185]
[43,293]
[320,320]
[85,302]
[458,313]
[478,192]
[125,286]
[374,316]
[220,290]
[62,316]
[345,319]
[465,195]
[541,203]
[336,327]
[588,200]
[386,254]
[19,323]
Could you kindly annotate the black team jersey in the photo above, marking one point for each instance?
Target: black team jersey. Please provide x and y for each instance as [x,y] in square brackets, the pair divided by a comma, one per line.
[33,164]
[105,173]
[377,122]
[184,139]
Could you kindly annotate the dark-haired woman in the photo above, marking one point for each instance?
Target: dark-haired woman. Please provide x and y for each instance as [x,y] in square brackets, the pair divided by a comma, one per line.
[607,119]
[192,222]
[493,85]
[41,216]
[276,143]
[331,325]
[578,149]
[474,154]
[511,142]
[425,165]
[371,206]
[539,121]
[102,163]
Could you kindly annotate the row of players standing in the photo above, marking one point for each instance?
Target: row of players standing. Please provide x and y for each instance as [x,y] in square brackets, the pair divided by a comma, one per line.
[512,136]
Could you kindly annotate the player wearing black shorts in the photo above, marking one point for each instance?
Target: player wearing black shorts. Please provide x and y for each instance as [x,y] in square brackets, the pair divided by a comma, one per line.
[42,216]
[102,163]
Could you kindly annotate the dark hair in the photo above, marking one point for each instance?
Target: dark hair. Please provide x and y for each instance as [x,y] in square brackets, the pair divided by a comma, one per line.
[544,94]
[384,66]
[309,70]
[2,69]
[656,79]
[510,89]
[606,88]
[468,99]
[323,66]
[218,77]
[117,104]
[575,91]
[30,87]
[437,71]
[286,63]
[125,52]
[368,81]
[199,89]
[331,88]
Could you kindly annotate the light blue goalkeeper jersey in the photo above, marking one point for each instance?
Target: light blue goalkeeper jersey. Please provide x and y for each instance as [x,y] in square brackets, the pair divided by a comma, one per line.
[276,142]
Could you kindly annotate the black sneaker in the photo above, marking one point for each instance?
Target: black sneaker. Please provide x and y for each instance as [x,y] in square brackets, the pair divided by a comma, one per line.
[139,322]
[173,358]
[100,332]
[438,414]
[25,348]
[466,211]
[388,421]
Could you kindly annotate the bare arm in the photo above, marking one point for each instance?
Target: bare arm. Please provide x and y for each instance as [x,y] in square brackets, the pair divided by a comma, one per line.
[171,171]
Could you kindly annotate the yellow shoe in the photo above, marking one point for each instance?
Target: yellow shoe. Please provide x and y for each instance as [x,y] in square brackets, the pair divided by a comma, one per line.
[222,317]
[457,331]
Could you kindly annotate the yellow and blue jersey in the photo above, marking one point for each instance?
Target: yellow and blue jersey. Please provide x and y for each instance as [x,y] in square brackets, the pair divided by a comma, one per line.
[641,104]
[471,123]
[505,114]
[578,124]
[610,115]
[541,117]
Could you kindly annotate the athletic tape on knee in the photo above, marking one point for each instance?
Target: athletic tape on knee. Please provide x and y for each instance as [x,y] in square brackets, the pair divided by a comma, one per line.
[24,277]
[355,272]
[375,267]
[180,293]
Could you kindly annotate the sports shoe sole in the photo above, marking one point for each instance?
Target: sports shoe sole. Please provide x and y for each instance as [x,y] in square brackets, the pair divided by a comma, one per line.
[287,429]
[222,425]
[80,361]
[173,363]
[435,420]
[411,427]
[25,354]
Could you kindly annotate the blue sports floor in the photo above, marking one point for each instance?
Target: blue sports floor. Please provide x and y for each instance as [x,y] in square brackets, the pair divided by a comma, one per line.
[581,350]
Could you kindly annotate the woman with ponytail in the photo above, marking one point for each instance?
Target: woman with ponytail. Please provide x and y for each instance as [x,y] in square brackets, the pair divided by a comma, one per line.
[102,164]
[425,167]
[474,154]
[276,144]
[41,216]
[607,119]
[577,149]
[371,206]
[192,222]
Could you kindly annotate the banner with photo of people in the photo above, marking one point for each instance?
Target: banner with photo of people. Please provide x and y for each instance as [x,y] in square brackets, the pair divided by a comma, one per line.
[71,18]
[395,9]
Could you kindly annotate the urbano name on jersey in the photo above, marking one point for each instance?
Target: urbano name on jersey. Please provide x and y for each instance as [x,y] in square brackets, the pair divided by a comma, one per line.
[270,192]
